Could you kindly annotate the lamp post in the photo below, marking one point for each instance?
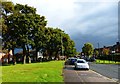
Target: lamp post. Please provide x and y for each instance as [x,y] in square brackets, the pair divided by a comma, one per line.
[61,46]
[99,49]
[113,52]
[99,52]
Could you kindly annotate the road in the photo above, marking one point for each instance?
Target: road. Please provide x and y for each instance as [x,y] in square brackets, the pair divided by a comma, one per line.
[108,70]
[84,76]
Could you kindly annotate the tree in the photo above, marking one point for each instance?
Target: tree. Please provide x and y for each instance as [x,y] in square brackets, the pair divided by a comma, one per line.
[7,7]
[106,51]
[46,41]
[38,33]
[69,46]
[96,52]
[88,49]
[8,41]
[24,25]
[18,30]
[24,28]
[58,43]
[53,41]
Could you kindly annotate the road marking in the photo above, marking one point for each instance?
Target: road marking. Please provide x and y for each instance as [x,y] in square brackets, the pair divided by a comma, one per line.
[83,74]
[80,78]
[113,79]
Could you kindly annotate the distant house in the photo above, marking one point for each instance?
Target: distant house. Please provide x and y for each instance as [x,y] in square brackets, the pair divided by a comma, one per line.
[39,55]
[62,57]
[32,54]
[6,57]
[1,55]
[100,50]
[115,48]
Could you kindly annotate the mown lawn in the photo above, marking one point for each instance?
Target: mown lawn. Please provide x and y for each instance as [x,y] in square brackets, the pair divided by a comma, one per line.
[34,72]
[106,62]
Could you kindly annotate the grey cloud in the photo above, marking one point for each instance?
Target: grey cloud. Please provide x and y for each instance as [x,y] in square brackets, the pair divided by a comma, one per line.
[99,26]
[80,40]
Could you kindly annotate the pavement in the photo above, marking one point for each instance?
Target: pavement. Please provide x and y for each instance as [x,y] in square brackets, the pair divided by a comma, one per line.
[72,76]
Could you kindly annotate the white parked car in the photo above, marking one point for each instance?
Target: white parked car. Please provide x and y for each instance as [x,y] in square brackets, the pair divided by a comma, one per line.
[81,64]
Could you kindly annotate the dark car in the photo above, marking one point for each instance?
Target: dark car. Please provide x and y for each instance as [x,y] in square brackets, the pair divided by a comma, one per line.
[92,59]
[72,61]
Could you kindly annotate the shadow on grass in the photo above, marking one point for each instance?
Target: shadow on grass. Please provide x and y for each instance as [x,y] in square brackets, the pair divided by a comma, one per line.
[6,64]
[10,64]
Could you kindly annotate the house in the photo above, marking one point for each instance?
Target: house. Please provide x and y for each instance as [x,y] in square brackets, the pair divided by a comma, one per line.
[6,57]
[32,54]
[1,55]
[112,49]
[116,47]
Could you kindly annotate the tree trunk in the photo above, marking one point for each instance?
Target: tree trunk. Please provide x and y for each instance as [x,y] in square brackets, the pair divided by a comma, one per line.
[29,59]
[56,56]
[14,57]
[8,56]
[50,55]
[36,55]
[24,59]
[28,55]
[24,55]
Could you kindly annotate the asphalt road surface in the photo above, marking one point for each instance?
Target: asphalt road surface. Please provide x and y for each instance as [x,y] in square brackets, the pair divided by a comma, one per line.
[72,76]
[108,70]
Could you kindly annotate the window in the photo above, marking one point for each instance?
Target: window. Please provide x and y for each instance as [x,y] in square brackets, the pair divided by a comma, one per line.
[80,61]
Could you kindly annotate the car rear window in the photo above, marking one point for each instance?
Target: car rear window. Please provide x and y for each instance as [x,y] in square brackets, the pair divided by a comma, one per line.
[73,59]
[79,61]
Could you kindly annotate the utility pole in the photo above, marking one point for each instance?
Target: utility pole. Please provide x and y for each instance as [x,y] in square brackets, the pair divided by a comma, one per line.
[99,49]
[61,45]
[118,22]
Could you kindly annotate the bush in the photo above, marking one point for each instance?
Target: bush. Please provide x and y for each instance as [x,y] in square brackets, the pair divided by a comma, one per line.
[110,57]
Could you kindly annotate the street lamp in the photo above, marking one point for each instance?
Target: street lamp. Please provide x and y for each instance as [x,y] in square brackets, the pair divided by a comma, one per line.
[113,52]
[61,44]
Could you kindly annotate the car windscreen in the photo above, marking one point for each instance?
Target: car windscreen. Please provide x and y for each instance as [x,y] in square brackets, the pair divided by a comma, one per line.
[80,61]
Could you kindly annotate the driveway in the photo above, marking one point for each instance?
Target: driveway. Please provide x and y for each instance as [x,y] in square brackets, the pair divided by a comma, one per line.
[84,76]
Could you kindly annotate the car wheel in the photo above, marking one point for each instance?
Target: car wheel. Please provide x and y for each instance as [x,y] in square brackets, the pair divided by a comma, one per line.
[75,68]
[87,68]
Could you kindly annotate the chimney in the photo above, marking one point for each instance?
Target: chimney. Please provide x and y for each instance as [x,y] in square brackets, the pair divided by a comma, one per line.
[104,46]
[117,43]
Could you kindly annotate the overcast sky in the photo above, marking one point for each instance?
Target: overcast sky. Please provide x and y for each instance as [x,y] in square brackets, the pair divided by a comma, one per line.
[94,21]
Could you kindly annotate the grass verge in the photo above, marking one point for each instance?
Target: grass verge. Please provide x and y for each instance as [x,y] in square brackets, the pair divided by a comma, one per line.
[106,62]
[35,72]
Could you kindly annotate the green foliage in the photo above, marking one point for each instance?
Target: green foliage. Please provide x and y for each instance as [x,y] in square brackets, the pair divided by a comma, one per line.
[7,7]
[78,53]
[88,49]
[54,44]
[70,49]
[58,43]
[96,52]
[106,51]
